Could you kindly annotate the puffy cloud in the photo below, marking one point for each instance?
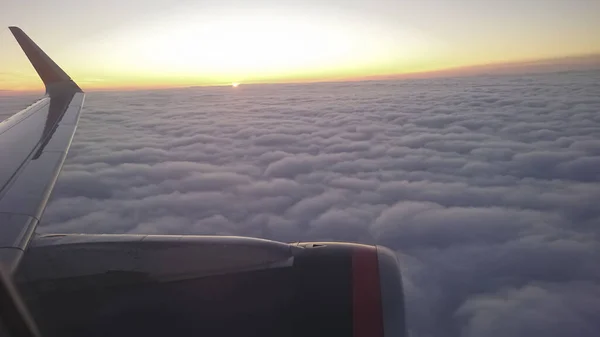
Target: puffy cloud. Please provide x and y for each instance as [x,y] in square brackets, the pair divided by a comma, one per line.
[289,167]
[537,309]
[486,187]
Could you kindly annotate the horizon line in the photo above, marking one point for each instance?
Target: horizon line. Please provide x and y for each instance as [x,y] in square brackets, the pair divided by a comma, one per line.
[580,62]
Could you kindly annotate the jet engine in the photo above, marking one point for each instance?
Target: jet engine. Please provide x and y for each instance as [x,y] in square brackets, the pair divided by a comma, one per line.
[129,285]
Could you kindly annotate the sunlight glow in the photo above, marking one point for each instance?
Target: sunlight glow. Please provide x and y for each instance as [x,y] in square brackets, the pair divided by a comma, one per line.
[253,48]
[235,84]
[164,43]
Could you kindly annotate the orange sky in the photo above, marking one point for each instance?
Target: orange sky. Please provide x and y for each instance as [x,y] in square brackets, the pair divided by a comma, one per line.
[114,44]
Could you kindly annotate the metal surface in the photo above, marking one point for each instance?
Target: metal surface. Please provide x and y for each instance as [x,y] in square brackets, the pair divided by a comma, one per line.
[10,258]
[32,152]
[160,257]
[16,231]
[17,139]
[33,147]
[123,285]
[13,228]
[15,319]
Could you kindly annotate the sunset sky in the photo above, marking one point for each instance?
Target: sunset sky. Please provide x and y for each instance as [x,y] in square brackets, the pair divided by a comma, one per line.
[158,43]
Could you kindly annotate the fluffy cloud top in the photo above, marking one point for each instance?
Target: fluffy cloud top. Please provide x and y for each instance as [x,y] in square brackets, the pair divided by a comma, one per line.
[487,187]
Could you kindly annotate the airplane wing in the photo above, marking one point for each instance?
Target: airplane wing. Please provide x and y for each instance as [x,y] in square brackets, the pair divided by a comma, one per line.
[33,146]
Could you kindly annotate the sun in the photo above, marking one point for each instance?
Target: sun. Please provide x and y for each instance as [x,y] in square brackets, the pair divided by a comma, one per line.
[235,84]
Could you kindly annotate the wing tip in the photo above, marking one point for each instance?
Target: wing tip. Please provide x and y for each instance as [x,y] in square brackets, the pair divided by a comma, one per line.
[17,32]
[50,73]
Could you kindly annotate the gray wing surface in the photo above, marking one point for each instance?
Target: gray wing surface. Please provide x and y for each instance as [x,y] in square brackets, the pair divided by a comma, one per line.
[33,146]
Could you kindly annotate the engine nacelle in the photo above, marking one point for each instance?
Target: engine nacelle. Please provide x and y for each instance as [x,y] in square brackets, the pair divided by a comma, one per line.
[99,285]
[349,290]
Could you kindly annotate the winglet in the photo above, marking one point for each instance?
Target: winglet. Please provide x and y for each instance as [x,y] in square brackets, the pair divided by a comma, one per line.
[52,75]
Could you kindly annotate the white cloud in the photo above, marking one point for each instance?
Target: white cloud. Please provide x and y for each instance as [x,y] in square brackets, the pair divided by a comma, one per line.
[535,310]
[487,187]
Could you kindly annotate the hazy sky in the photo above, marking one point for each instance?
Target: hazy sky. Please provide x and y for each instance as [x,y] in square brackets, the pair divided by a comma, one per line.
[115,43]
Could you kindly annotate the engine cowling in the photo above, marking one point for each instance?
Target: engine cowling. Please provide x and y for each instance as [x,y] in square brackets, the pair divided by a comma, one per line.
[98,285]
[349,290]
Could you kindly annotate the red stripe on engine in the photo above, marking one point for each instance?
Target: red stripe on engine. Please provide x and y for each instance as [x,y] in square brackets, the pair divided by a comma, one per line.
[367,315]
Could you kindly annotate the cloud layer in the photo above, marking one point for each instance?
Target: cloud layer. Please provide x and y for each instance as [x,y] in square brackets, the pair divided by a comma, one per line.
[487,187]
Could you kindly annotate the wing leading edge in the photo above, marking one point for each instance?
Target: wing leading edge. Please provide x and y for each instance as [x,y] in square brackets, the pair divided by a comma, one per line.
[33,146]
